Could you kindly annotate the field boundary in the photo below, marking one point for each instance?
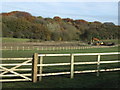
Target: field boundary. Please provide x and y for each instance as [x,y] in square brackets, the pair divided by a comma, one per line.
[36,66]
[52,48]
[72,63]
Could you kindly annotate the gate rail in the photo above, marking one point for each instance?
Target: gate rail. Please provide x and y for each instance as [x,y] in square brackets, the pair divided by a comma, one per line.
[5,69]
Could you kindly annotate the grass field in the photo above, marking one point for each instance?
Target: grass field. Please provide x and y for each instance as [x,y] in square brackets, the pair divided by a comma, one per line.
[29,53]
[14,40]
[116,41]
[18,42]
[6,39]
[88,80]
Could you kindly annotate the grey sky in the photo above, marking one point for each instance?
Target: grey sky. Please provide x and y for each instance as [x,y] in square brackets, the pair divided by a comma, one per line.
[89,11]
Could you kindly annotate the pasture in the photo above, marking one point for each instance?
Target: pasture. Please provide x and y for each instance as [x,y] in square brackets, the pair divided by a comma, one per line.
[86,80]
[15,43]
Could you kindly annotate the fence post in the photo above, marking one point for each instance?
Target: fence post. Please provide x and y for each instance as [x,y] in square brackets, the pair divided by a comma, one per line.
[23,48]
[37,48]
[17,48]
[28,48]
[40,71]
[42,48]
[72,66]
[11,48]
[63,47]
[98,65]
[34,67]
[5,47]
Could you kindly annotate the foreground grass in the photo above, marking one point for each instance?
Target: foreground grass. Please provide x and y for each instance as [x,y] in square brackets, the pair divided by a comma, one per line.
[105,80]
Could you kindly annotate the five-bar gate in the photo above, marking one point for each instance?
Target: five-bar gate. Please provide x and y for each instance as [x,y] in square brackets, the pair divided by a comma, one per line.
[15,71]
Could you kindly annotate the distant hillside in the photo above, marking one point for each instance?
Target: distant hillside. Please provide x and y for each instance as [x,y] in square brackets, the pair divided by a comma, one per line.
[19,24]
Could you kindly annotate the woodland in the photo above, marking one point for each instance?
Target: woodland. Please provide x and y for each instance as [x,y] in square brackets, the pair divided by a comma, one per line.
[19,24]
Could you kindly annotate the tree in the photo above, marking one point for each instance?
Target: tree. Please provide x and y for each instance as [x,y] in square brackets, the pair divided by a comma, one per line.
[23,25]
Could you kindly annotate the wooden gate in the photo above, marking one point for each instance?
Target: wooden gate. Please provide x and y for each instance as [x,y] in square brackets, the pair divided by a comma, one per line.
[12,71]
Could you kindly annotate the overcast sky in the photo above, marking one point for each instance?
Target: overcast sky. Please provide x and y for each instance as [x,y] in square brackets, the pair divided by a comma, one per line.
[89,11]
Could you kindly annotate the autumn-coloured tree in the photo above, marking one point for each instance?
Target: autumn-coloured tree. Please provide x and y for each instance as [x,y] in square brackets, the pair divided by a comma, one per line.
[19,24]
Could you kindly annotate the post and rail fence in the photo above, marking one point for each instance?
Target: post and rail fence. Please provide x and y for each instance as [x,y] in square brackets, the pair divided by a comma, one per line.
[51,48]
[36,66]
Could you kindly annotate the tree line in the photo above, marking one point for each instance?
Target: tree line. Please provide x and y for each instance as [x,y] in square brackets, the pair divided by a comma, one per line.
[19,24]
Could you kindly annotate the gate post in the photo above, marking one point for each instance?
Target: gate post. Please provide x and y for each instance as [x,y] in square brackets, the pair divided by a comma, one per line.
[34,67]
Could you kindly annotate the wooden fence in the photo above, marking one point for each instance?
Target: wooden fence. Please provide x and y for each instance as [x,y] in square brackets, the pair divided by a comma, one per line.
[52,48]
[14,71]
[10,72]
[35,64]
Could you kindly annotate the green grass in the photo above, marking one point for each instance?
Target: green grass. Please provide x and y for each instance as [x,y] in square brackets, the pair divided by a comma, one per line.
[116,41]
[29,53]
[12,40]
[105,80]
[88,80]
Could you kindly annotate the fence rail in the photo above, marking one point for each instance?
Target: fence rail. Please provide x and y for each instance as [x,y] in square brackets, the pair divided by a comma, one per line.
[77,63]
[85,71]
